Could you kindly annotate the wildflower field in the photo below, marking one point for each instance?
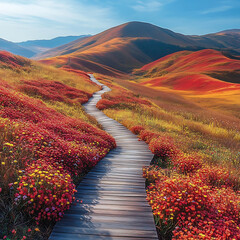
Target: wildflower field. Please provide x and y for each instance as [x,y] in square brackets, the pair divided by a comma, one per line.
[193,181]
[47,143]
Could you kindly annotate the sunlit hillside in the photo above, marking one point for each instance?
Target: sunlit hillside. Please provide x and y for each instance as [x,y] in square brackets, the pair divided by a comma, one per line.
[206,78]
[197,71]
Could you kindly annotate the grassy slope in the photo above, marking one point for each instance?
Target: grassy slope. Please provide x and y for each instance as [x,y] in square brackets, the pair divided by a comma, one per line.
[173,113]
[45,138]
[206,78]
[191,71]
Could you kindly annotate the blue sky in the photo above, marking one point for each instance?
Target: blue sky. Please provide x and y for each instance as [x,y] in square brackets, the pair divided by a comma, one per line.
[44,19]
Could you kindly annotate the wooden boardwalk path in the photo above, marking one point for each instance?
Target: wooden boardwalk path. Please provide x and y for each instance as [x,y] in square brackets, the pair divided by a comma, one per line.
[113,193]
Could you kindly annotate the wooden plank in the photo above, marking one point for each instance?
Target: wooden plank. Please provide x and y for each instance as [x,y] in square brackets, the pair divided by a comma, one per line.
[103,225]
[105,231]
[106,218]
[113,202]
[66,236]
[112,198]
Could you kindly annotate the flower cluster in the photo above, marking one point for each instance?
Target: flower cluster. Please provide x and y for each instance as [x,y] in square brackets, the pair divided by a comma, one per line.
[163,147]
[189,199]
[186,163]
[54,91]
[47,191]
[218,177]
[137,129]
[147,136]
[186,208]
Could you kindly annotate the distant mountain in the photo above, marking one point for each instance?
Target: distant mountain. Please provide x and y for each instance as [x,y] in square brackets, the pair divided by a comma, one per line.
[133,44]
[15,48]
[127,30]
[231,31]
[205,70]
[39,46]
[122,48]
[228,40]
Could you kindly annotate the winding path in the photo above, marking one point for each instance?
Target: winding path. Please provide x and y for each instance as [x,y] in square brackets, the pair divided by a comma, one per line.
[113,193]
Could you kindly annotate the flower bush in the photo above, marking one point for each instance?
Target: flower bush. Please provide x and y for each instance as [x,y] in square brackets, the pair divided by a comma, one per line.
[187,208]
[121,99]
[46,191]
[191,200]
[216,176]
[186,163]
[137,129]
[54,91]
[163,147]
[147,136]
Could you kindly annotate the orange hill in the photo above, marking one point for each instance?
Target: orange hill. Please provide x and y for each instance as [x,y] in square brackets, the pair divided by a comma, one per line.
[205,70]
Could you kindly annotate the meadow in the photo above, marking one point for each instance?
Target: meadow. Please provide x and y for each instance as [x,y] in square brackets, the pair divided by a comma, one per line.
[193,181]
[47,143]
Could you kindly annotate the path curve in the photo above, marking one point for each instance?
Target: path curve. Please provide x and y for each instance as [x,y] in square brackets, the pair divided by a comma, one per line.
[113,193]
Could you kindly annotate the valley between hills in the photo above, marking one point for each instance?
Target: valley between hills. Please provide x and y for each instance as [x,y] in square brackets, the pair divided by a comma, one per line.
[169,162]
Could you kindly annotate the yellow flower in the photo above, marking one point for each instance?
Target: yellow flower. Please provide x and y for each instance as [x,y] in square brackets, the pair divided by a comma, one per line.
[3,163]
[37,230]
[8,144]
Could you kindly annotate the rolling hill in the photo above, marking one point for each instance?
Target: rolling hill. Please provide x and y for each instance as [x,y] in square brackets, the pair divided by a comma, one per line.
[205,70]
[15,48]
[39,46]
[132,45]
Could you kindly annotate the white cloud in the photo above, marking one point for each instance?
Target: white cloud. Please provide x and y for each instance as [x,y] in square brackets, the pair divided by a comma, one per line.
[217,9]
[53,10]
[150,5]
[51,16]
